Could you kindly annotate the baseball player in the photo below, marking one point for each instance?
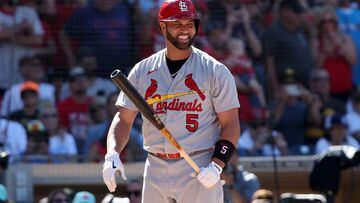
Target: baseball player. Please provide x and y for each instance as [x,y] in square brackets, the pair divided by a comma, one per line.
[195,97]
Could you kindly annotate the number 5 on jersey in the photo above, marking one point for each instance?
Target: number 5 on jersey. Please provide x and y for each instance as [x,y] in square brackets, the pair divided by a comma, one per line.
[191,122]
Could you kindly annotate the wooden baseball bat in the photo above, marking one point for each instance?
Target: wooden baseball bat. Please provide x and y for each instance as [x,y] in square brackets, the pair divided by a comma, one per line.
[129,90]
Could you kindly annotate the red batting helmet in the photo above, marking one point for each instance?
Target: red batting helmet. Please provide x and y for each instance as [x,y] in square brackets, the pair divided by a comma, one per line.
[172,10]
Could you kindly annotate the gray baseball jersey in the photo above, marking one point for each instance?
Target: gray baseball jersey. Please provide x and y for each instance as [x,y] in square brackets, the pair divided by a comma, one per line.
[186,104]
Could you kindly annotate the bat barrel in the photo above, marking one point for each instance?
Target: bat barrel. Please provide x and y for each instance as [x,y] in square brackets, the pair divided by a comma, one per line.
[130,91]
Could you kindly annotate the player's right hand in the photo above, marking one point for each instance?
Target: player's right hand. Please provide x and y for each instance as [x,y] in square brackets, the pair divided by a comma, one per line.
[111,167]
[209,175]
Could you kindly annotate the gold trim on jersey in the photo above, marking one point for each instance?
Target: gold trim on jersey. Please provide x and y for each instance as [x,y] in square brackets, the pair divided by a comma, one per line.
[170,96]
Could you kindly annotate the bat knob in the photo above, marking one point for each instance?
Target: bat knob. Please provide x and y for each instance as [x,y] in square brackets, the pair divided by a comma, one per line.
[115,73]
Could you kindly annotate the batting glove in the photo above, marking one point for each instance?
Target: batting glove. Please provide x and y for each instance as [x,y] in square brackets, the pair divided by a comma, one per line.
[111,167]
[209,175]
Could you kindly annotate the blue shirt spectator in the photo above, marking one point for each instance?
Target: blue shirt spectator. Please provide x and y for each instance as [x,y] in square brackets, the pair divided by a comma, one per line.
[287,45]
[107,30]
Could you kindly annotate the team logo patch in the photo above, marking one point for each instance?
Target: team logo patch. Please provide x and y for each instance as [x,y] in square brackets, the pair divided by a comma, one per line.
[183,6]
[191,84]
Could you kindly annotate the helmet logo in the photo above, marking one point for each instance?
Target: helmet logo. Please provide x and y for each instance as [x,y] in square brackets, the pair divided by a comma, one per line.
[183,6]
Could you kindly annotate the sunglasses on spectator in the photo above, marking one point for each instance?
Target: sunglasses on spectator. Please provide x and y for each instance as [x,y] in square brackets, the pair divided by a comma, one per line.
[50,115]
[136,193]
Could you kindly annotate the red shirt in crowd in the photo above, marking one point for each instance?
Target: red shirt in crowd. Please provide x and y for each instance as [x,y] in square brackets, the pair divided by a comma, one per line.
[75,116]
[339,70]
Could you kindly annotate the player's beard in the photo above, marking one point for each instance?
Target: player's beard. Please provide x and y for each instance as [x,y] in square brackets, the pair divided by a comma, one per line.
[180,45]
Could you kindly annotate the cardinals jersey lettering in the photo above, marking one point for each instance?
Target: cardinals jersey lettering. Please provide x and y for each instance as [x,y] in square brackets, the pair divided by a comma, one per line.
[186,104]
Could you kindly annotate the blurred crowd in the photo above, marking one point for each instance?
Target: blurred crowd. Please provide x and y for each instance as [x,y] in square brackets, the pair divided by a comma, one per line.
[295,64]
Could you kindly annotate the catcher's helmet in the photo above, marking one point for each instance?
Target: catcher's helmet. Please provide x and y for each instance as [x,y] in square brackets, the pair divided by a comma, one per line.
[172,10]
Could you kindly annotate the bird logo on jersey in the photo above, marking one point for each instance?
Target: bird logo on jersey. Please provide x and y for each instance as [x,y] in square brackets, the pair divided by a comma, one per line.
[151,89]
[191,84]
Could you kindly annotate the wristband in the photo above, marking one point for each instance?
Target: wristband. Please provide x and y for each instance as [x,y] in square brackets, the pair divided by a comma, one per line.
[224,150]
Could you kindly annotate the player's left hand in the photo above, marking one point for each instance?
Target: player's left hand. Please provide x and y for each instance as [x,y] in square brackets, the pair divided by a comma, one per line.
[209,175]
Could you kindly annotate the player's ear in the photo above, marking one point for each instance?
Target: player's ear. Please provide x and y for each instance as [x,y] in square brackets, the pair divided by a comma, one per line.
[162,26]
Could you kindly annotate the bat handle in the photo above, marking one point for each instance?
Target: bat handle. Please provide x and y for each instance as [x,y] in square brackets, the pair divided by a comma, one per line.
[189,160]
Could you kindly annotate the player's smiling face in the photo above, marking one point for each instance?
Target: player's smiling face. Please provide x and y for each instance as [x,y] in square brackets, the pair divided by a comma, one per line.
[180,33]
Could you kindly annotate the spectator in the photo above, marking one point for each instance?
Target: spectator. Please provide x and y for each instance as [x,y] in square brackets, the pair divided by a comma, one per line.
[47,48]
[217,36]
[20,31]
[56,77]
[150,38]
[263,196]
[84,197]
[13,138]
[98,111]
[56,14]
[58,195]
[291,100]
[336,53]
[95,145]
[259,139]
[4,198]
[98,86]
[31,70]
[353,117]
[320,87]
[321,104]
[74,111]
[30,95]
[247,28]
[97,131]
[240,185]
[337,134]
[134,150]
[61,144]
[250,92]
[349,20]
[238,23]
[38,142]
[287,45]
[70,192]
[106,28]
[252,33]
[235,21]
